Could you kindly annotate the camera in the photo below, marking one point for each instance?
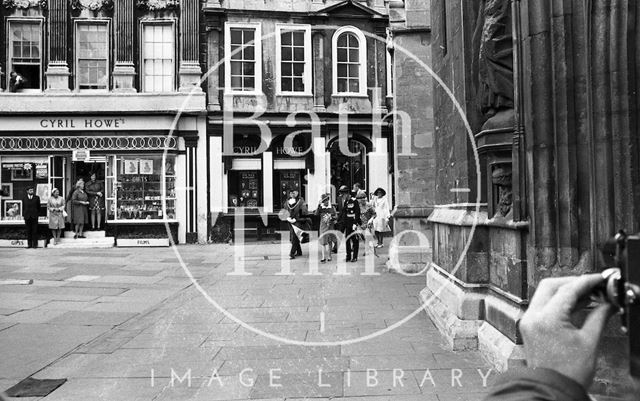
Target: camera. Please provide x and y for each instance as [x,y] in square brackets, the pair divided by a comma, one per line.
[621,288]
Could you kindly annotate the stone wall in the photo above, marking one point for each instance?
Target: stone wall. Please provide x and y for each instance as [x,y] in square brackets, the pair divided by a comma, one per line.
[414,126]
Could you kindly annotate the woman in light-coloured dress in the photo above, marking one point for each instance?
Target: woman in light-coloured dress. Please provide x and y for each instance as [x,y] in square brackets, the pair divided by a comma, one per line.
[382,209]
[55,204]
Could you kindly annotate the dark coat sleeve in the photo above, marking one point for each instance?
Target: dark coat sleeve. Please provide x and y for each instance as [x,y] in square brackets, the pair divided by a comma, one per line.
[536,385]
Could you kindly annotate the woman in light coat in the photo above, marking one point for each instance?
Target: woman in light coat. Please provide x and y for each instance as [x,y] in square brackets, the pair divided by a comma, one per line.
[380,222]
[56,205]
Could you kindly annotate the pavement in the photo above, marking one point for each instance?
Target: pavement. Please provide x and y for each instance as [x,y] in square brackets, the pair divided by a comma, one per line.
[130,324]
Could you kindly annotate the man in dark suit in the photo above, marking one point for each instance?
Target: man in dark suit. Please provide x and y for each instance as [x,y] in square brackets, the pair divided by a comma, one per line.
[30,209]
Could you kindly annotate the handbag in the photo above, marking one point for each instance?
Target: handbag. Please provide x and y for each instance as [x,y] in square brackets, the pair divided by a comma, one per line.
[65,214]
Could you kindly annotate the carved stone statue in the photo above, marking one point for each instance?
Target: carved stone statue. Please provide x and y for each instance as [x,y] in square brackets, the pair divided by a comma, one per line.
[493,60]
[501,177]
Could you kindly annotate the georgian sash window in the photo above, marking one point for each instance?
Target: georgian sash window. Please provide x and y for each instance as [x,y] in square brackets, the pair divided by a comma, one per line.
[158,57]
[25,52]
[92,55]
[243,61]
[349,62]
[293,55]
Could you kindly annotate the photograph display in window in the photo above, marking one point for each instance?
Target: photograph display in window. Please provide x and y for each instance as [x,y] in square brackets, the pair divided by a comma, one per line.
[15,179]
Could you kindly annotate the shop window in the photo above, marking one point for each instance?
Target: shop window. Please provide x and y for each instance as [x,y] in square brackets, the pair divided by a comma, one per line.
[143,189]
[158,58]
[349,62]
[25,55]
[245,188]
[293,54]
[15,178]
[92,60]
[244,57]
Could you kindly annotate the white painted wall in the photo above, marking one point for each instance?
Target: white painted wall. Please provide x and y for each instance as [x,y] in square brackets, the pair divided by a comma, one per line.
[267,181]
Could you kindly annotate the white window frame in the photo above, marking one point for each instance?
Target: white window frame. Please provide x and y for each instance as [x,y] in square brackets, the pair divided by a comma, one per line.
[362,52]
[77,23]
[151,22]
[10,50]
[258,55]
[280,28]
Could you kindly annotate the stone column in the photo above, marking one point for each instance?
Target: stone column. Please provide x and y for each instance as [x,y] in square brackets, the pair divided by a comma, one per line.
[190,70]
[124,71]
[58,69]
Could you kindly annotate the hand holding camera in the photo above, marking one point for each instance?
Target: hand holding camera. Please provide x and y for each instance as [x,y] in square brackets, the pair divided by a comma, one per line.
[551,340]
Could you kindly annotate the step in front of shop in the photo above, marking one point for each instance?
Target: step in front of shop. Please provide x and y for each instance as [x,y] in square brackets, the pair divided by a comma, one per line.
[94,239]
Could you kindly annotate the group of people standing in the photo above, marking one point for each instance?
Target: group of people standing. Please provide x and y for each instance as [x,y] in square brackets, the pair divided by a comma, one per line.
[352,215]
[83,200]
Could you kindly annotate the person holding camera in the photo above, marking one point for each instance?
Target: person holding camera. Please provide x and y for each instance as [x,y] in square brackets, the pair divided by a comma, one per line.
[561,356]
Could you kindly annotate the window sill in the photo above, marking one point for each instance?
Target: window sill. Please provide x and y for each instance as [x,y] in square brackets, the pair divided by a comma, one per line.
[354,95]
[294,94]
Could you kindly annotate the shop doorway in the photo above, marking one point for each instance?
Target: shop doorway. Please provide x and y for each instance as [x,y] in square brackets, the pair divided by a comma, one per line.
[84,170]
[348,170]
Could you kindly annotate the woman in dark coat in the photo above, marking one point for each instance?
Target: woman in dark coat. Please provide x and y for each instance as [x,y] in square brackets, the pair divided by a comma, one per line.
[79,214]
[297,219]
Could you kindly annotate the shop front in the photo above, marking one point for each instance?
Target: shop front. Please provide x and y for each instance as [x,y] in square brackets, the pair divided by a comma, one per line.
[144,172]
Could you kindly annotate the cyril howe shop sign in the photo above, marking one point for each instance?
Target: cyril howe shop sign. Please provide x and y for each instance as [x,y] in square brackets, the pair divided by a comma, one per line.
[85,123]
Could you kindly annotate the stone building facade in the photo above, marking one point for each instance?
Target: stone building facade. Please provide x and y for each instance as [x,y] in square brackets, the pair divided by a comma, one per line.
[549,90]
[297,100]
[111,88]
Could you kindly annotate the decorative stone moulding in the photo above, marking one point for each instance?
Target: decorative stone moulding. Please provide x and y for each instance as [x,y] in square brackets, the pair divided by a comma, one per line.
[92,5]
[158,5]
[24,4]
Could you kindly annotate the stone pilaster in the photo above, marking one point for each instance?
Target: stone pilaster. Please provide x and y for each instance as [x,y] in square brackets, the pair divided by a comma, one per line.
[58,69]
[318,72]
[214,33]
[190,71]
[124,71]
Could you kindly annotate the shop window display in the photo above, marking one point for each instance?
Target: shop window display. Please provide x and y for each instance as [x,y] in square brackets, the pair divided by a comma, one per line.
[15,178]
[139,186]
[245,189]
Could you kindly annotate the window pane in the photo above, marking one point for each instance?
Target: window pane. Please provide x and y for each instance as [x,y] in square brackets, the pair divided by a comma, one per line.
[342,55]
[287,69]
[248,35]
[353,41]
[354,55]
[286,54]
[298,85]
[248,69]
[236,82]
[249,83]
[342,40]
[286,85]
[236,68]
[298,54]
[342,85]
[298,38]
[354,85]
[342,70]
[236,36]
[250,53]
[235,53]
[354,70]
[286,38]
[298,69]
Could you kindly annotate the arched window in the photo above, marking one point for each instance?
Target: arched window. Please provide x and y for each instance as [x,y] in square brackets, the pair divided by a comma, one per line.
[349,62]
